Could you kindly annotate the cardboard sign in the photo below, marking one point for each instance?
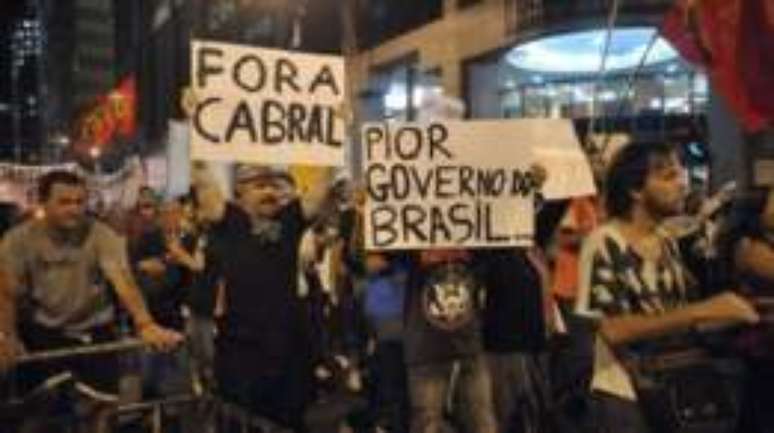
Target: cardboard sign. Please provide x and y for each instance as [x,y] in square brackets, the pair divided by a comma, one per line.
[559,152]
[266,106]
[451,184]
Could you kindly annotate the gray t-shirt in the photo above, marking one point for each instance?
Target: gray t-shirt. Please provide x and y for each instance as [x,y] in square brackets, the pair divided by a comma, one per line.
[61,278]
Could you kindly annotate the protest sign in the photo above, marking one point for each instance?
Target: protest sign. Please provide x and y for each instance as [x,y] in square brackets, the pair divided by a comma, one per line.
[451,184]
[266,106]
[558,150]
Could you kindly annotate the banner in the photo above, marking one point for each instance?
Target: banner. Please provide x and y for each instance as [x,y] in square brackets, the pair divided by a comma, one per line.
[107,116]
[123,101]
[451,184]
[267,106]
[733,41]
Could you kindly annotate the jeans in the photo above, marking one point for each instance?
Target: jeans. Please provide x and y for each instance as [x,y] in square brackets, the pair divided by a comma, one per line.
[431,384]
[616,415]
[516,390]
[201,343]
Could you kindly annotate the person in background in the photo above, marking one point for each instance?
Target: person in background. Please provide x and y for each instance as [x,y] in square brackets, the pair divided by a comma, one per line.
[200,302]
[442,334]
[580,219]
[384,303]
[55,271]
[515,334]
[747,248]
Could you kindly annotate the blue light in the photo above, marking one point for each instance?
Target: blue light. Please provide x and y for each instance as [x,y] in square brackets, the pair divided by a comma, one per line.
[582,51]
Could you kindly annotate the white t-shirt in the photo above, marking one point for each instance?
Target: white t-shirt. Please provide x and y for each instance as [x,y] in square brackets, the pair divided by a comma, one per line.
[614,281]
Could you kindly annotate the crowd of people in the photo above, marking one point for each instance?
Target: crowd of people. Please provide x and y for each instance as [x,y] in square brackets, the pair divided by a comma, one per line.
[616,320]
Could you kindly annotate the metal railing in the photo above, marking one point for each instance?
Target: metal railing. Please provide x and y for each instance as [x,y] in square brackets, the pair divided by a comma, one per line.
[213,415]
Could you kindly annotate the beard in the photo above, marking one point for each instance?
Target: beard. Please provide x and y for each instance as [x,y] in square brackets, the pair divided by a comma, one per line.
[661,209]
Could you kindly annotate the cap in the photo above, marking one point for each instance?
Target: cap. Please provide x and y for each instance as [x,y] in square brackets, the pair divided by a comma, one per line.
[247,172]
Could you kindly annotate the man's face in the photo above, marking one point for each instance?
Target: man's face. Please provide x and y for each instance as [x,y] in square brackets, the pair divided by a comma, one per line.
[665,187]
[66,206]
[146,208]
[261,196]
[171,216]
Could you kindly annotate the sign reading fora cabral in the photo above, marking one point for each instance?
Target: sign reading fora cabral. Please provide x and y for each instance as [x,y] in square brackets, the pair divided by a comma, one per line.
[266,106]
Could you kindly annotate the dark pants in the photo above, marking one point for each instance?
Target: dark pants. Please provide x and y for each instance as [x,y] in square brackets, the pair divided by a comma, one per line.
[390,394]
[757,406]
[616,415]
[279,395]
[431,385]
[517,391]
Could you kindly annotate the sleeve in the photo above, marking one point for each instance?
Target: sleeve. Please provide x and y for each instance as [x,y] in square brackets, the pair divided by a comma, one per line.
[597,285]
[293,215]
[111,250]
[13,257]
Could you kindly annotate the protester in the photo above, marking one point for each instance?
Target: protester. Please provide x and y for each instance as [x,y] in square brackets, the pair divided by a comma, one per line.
[55,273]
[262,361]
[442,335]
[634,282]
[515,335]
[747,247]
[385,292]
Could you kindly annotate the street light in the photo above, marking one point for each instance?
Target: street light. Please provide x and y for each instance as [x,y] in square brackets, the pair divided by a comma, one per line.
[95,153]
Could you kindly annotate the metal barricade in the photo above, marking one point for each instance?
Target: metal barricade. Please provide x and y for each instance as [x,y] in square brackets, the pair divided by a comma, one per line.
[213,415]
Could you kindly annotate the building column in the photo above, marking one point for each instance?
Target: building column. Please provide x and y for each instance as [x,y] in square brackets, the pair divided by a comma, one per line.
[726,143]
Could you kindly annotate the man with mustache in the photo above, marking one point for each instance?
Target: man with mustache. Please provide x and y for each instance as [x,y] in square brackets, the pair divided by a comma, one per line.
[263,359]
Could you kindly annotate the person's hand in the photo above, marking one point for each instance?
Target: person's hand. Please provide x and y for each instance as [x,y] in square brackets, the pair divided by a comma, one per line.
[539,175]
[9,351]
[152,267]
[159,338]
[375,263]
[322,373]
[726,308]
[175,250]
[188,102]
[307,254]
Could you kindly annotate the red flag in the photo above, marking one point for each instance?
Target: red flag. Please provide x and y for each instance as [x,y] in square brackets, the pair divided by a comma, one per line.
[123,101]
[733,40]
[95,127]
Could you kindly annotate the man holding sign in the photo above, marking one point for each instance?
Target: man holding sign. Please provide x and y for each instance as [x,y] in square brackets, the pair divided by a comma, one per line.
[446,185]
[263,359]
[267,107]
[445,191]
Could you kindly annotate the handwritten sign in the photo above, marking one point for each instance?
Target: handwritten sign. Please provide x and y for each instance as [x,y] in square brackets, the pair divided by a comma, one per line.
[266,106]
[451,184]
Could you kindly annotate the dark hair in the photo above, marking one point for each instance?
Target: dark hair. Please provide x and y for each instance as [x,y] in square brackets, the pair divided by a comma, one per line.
[628,172]
[57,177]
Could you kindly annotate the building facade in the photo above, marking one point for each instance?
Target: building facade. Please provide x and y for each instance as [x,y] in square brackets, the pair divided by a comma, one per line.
[542,58]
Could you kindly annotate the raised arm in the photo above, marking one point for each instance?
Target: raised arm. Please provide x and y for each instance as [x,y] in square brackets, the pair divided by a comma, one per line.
[211,199]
